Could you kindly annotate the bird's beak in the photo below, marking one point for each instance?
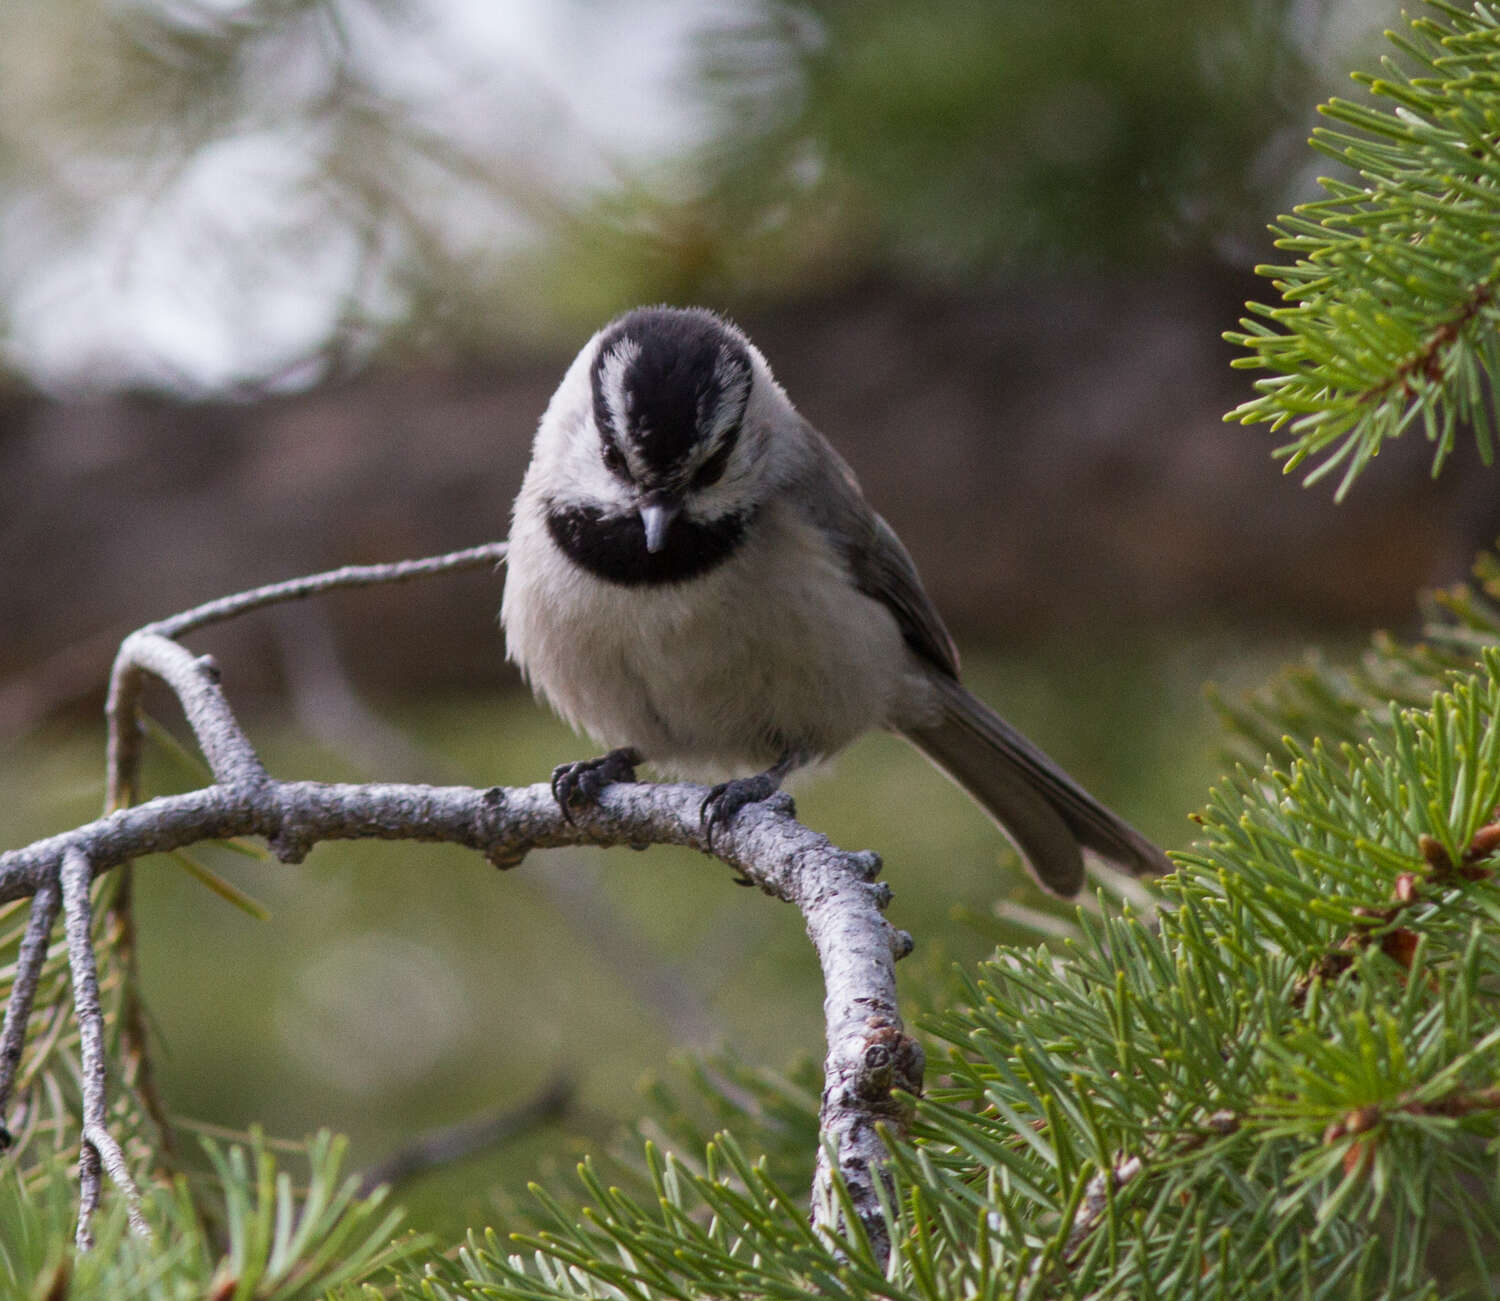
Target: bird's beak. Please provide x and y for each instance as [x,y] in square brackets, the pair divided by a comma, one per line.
[657,514]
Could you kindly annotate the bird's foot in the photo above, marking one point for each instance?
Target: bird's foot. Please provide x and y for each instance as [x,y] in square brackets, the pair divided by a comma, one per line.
[582,782]
[727,798]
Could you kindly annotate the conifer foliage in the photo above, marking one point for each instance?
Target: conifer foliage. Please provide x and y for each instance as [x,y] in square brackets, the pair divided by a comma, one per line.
[1285,1081]
[1388,316]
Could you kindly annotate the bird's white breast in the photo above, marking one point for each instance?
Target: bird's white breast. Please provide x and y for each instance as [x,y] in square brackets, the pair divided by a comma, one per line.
[773,649]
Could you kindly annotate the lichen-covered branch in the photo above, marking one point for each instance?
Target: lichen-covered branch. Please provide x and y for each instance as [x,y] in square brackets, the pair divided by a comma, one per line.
[868,1053]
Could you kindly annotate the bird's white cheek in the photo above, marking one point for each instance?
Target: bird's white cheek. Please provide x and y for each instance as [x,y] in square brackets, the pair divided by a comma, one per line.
[575,470]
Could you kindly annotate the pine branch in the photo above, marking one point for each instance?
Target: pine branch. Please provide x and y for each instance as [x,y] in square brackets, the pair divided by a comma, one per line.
[1389,315]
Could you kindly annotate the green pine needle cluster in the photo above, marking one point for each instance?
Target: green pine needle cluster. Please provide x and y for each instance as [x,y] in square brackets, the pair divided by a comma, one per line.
[1389,313]
[251,1231]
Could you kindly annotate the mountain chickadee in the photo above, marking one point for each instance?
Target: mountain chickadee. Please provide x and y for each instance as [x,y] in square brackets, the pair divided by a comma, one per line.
[695,579]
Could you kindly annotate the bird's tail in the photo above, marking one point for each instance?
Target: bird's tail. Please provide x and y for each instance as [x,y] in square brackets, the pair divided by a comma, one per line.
[1045,812]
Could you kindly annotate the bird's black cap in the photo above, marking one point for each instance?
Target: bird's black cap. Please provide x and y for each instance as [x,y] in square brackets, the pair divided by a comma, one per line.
[660,375]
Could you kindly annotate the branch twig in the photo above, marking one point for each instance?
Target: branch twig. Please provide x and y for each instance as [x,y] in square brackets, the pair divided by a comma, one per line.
[126,679]
[98,1148]
[30,960]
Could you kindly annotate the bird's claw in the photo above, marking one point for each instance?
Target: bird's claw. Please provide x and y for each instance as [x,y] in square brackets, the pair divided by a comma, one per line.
[583,781]
[727,798]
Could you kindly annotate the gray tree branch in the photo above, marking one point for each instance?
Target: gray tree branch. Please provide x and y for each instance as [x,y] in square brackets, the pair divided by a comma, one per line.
[98,1149]
[868,1051]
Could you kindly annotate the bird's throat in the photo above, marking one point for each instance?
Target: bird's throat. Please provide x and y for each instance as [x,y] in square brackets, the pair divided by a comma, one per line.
[613,547]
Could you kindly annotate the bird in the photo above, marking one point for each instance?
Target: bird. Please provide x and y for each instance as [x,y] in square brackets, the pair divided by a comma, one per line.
[695,579]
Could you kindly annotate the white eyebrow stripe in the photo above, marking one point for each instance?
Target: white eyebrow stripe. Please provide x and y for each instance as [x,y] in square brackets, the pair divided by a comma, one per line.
[733,381]
[617,362]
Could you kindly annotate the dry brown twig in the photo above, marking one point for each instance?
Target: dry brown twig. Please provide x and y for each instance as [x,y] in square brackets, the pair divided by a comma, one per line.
[868,1051]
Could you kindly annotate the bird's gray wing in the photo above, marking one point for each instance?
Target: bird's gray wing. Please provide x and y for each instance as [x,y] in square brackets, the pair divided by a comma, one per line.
[878,563]
[1035,802]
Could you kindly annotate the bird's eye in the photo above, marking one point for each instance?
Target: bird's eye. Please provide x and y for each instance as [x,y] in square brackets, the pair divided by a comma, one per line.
[712,470]
[614,460]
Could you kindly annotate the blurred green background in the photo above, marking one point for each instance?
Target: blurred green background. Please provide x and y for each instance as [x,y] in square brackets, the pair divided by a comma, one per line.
[285,285]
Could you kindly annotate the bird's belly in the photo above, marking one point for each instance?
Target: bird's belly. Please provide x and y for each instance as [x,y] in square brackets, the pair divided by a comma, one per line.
[772,651]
